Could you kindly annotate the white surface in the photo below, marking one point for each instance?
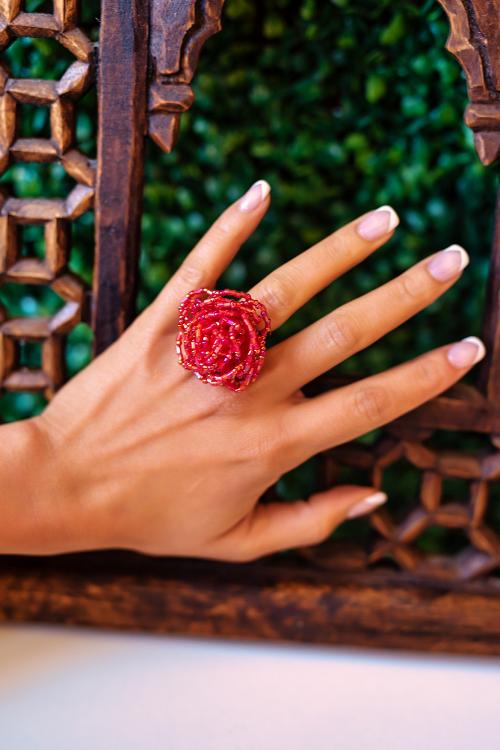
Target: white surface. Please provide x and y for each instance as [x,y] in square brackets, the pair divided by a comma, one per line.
[72,689]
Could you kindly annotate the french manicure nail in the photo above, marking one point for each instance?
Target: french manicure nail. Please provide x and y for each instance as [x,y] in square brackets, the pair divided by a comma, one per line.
[446,264]
[378,223]
[254,196]
[367,504]
[467,352]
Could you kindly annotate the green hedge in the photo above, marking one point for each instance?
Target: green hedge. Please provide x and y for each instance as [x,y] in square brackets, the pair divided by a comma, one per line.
[341,106]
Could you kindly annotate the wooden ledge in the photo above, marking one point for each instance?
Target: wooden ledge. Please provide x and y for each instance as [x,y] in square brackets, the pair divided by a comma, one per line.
[278,599]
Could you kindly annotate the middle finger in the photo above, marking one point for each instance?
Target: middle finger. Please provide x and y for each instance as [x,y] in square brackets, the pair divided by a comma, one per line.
[357,324]
[291,285]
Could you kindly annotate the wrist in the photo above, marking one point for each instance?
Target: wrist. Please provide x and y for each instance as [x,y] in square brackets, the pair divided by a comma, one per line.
[19,497]
[39,515]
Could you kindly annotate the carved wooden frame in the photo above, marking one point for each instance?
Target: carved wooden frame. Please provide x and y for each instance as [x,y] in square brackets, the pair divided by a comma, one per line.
[55,215]
[386,593]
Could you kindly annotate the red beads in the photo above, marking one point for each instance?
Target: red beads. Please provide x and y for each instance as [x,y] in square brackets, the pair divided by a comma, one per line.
[222,336]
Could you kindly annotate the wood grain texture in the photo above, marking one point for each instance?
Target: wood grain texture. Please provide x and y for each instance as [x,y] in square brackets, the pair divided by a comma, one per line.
[122,124]
[179,28]
[277,600]
[398,585]
[490,374]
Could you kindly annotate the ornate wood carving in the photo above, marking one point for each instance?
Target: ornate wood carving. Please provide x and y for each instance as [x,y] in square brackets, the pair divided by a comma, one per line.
[475,41]
[433,506]
[179,28]
[490,373]
[55,215]
[387,589]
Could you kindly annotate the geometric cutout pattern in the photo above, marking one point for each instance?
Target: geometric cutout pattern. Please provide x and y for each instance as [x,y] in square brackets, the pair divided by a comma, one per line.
[55,215]
[438,504]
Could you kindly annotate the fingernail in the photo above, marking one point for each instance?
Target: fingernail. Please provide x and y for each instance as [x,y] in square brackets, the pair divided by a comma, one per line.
[367,504]
[254,196]
[467,352]
[378,223]
[446,264]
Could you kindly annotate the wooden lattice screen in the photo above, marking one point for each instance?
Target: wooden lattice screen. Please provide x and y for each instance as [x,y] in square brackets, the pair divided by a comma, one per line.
[385,592]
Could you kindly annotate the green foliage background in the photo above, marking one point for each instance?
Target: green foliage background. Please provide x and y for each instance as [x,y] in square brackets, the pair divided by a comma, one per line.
[342,106]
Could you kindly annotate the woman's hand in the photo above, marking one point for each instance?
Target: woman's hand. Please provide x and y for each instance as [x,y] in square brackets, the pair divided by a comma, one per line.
[136,452]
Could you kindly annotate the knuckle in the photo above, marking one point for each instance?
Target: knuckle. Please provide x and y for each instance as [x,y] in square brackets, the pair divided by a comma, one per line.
[341,331]
[315,528]
[372,402]
[411,285]
[225,226]
[429,371]
[276,294]
[256,445]
[222,229]
[269,449]
[338,244]
[318,532]
[192,274]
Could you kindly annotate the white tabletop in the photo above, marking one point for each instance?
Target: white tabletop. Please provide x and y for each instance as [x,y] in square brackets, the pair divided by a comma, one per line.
[77,689]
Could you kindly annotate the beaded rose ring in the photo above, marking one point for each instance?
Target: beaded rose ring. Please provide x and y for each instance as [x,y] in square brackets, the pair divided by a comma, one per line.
[222,337]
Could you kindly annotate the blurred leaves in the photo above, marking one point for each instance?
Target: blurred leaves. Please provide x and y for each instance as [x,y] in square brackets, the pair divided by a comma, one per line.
[341,109]
[341,106]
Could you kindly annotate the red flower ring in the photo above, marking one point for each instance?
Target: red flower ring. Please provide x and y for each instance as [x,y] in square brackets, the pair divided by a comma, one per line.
[222,336]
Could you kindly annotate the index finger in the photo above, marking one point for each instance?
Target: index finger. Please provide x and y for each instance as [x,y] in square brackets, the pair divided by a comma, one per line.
[212,254]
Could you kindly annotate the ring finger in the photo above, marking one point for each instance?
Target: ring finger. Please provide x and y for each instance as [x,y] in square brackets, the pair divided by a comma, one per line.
[369,403]
[293,284]
[357,324]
